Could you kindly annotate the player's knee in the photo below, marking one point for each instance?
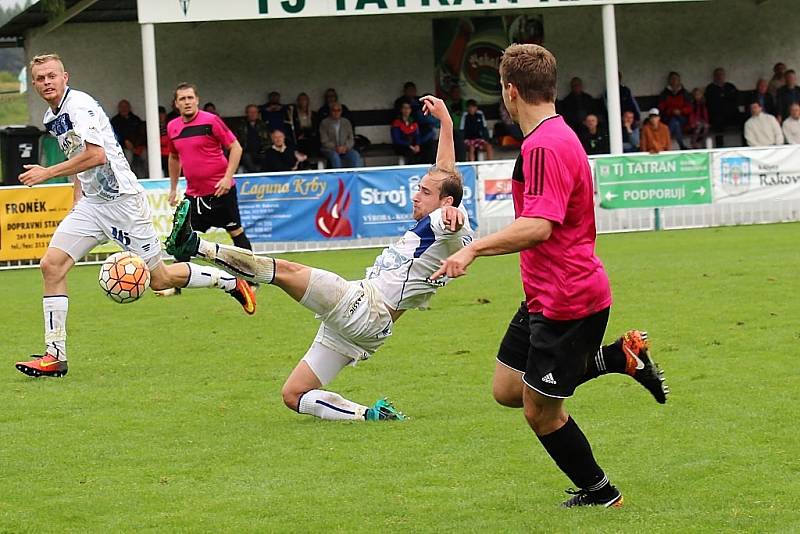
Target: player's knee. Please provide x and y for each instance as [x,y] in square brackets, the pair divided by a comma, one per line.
[507,398]
[53,267]
[543,421]
[291,396]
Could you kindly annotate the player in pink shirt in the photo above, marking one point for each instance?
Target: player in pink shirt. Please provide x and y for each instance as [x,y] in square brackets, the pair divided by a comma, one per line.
[196,143]
[553,343]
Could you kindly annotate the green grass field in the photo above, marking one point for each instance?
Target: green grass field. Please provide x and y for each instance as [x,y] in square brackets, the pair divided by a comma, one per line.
[171,419]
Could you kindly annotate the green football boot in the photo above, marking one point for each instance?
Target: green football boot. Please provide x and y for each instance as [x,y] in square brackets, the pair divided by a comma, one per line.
[383,410]
[182,241]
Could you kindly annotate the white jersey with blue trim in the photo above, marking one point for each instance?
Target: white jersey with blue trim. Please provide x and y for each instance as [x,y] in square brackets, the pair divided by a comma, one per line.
[402,271]
[79,119]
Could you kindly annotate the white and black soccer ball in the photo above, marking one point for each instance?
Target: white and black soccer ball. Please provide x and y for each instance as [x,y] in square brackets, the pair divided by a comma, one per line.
[124,277]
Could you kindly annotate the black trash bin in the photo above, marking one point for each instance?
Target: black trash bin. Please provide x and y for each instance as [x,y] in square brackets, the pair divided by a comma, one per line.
[19,145]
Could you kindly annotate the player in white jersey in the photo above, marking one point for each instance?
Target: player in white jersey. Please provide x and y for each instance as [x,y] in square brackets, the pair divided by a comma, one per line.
[357,317]
[109,205]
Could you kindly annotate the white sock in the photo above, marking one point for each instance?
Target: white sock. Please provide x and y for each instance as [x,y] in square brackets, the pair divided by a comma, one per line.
[55,325]
[205,276]
[239,261]
[330,405]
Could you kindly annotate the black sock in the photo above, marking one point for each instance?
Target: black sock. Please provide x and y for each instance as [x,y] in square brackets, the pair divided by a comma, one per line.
[571,451]
[241,241]
[609,359]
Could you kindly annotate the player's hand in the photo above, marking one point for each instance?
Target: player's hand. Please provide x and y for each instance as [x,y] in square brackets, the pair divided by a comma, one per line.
[435,107]
[456,265]
[453,218]
[34,174]
[173,198]
[223,186]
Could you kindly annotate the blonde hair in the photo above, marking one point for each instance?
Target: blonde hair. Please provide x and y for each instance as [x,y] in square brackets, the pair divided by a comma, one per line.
[44,58]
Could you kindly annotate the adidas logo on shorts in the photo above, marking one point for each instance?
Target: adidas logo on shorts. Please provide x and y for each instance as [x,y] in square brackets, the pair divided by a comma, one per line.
[549,378]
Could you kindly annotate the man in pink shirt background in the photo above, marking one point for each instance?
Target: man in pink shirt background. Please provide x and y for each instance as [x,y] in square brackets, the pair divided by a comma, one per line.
[197,141]
[553,343]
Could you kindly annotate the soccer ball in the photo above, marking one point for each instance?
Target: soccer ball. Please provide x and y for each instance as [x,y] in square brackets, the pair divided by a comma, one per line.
[124,277]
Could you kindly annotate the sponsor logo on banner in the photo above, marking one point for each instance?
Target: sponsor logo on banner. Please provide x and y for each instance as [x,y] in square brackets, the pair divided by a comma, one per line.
[184,5]
[332,220]
[735,174]
[497,189]
[28,219]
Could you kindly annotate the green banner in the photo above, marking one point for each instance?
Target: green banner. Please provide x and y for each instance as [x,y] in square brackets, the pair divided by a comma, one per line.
[653,181]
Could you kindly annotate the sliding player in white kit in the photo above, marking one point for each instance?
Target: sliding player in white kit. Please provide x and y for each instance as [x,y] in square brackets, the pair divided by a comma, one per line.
[109,205]
[357,317]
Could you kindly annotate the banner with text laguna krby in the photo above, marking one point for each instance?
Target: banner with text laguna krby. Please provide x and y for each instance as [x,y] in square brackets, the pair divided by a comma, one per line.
[654,180]
[749,175]
[28,218]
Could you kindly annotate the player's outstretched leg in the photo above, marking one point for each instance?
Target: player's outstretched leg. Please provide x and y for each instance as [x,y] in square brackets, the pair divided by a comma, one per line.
[630,354]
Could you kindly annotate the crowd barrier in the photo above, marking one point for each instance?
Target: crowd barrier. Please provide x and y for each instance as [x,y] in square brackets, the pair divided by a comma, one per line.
[319,210]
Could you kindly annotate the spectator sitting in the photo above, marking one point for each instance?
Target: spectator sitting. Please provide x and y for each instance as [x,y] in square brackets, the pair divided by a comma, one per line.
[476,135]
[332,98]
[722,100]
[655,134]
[279,157]
[506,131]
[788,95]
[409,96]
[254,137]
[593,139]
[762,95]
[457,106]
[277,116]
[427,123]
[576,105]
[675,107]
[791,125]
[405,135]
[337,140]
[698,119]
[129,129]
[210,108]
[630,132]
[777,81]
[163,139]
[306,126]
[627,102]
[762,129]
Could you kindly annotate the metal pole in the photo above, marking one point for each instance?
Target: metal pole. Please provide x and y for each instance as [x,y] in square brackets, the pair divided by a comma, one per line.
[612,78]
[151,101]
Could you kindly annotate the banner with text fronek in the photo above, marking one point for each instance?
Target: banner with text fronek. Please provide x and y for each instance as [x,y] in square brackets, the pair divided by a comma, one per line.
[754,175]
[158,11]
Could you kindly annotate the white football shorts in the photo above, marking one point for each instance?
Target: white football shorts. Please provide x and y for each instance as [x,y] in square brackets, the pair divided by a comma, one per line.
[125,220]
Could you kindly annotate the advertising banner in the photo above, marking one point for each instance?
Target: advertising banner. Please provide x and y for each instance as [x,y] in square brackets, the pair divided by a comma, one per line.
[28,218]
[653,181]
[753,175]
[495,190]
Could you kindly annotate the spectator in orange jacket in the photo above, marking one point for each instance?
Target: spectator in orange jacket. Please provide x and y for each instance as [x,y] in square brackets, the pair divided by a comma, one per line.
[675,106]
[655,134]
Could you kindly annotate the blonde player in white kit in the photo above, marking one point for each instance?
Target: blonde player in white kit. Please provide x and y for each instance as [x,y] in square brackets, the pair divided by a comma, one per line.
[109,205]
[357,317]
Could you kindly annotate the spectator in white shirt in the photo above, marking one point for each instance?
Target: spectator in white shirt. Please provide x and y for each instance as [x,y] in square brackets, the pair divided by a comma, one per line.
[791,126]
[762,129]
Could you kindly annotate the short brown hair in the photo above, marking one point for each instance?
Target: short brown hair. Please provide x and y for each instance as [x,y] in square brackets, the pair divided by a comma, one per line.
[532,70]
[181,87]
[44,58]
[452,183]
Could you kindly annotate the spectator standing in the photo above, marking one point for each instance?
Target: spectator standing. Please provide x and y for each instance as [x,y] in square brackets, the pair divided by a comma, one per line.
[129,129]
[698,119]
[253,135]
[791,125]
[405,135]
[476,134]
[457,105]
[675,107]
[627,101]
[592,136]
[762,129]
[209,107]
[762,95]
[277,116]
[577,105]
[788,94]
[777,81]
[506,131]
[331,97]
[279,157]
[306,126]
[337,140]
[722,100]
[630,132]
[655,134]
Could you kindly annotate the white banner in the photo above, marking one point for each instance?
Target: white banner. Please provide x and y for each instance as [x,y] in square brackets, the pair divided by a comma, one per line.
[157,11]
[756,174]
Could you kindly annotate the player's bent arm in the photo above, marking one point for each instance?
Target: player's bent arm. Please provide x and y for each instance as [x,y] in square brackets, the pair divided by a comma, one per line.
[234,158]
[523,233]
[92,156]
[174,168]
[76,189]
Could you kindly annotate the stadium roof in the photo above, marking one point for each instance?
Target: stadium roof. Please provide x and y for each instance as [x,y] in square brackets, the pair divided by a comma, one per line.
[87,11]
